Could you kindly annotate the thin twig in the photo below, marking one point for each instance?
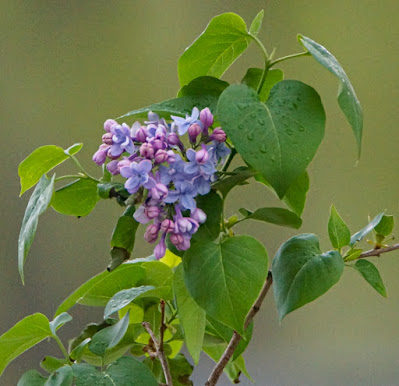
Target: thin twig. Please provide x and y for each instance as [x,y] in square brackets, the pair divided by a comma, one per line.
[378,251]
[236,338]
[159,345]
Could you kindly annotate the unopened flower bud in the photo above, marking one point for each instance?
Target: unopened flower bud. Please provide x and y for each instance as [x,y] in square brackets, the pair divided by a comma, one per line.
[202,155]
[107,139]
[112,167]
[160,249]
[100,155]
[176,238]
[167,226]
[193,132]
[159,192]
[158,144]
[206,119]
[147,150]
[108,124]
[151,233]
[161,156]
[198,215]
[218,135]
[140,135]
[152,211]
[124,162]
[171,156]
[109,153]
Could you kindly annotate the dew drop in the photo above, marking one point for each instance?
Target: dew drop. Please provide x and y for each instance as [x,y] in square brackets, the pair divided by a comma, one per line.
[253,115]
[250,136]
[289,132]
[240,126]
[263,148]
[301,128]
[261,121]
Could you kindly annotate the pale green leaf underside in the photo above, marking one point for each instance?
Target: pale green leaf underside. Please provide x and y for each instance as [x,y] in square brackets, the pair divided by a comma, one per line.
[347,98]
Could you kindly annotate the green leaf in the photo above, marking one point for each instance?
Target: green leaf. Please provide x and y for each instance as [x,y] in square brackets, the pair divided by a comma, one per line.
[59,321]
[77,353]
[337,230]
[88,375]
[124,233]
[385,226]
[212,205]
[32,378]
[278,139]
[203,85]
[109,337]
[225,185]
[347,98]
[352,254]
[61,377]
[224,283]
[223,41]
[128,371]
[277,216]
[370,273]
[302,273]
[158,275]
[77,198]
[24,335]
[126,296]
[225,333]
[51,364]
[367,229]
[38,203]
[295,197]
[41,161]
[253,78]
[75,148]
[192,317]
[125,276]
[256,23]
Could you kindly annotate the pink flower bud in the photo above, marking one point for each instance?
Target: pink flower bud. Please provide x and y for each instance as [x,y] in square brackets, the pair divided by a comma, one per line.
[173,140]
[107,139]
[112,167]
[146,150]
[122,163]
[218,135]
[161,156]
[167,226]
[198,215]
[171,156]
[160,249]
[152,211]
[159,192]
[100,155]
[176,238]
[193,132]
[151,233]
[206,119]
[202,155]
[140,135]
[158,144]
[108,124]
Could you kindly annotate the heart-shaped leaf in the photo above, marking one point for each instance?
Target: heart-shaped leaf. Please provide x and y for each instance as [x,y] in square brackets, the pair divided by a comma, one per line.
[224,280]
[302,273]
[77,198]
[347,98]
[278,138]
[223,41]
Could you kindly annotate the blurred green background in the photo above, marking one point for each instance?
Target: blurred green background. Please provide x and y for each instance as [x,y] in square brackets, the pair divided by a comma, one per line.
[66,66]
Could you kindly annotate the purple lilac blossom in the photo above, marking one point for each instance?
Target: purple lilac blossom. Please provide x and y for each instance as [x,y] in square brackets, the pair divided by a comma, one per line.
[184,123]
[172,176]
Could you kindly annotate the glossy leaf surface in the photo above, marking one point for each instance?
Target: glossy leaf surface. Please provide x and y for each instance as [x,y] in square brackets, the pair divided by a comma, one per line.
[370,273]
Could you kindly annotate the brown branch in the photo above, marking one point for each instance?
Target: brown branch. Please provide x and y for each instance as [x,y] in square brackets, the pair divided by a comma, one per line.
[159,345]
[236,338]
[378,251]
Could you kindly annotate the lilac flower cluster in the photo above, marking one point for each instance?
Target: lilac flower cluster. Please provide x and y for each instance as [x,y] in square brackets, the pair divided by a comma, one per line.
[158,166]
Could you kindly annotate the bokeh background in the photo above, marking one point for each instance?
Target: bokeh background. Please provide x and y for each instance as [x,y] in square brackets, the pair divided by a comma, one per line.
[66,66]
